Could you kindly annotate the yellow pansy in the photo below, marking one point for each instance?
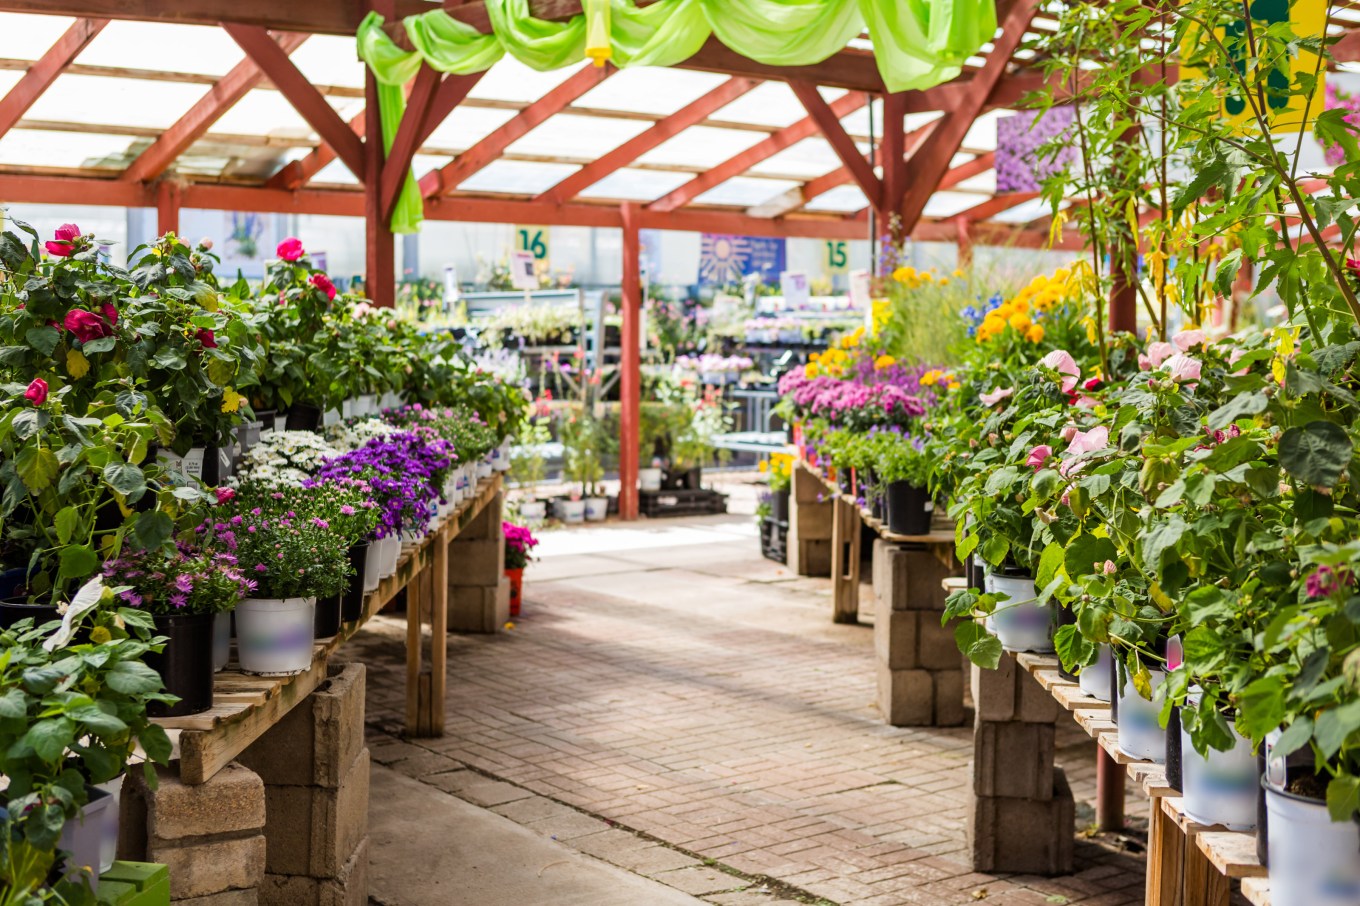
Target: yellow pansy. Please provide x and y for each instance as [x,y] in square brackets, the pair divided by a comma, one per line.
[1035,334]
[884,361]
[904,274]
[231,400]
[1020,321]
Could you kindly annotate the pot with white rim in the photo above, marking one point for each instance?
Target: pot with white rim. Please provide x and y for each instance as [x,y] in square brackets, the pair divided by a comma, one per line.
[1020,623]
[1314,861]
[1140,731]
[1095,679]
[597,509]
[533,511]
[83,836]
[274,635]
[390,554]
[373,559]
[571,511]
[221,641]
[1220,787]
[503,461]
[484,469]
[366,404]
[649,479]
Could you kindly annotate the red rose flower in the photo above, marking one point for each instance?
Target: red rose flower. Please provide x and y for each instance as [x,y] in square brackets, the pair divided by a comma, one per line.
[323,283]
[63,242]
[110,312]
[205,336]
[36,392]
[224,494]
[290,249]
[85,325]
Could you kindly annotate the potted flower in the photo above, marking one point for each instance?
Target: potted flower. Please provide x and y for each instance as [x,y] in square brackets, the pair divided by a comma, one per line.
[528,468]
[584,443]
[902,465]
[779,469]
[185,591]
[292,560]
[519,544]
[347,507]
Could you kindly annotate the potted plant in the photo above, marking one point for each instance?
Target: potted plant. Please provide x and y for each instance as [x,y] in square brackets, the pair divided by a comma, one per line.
[779,469]
[184,591]
[900,462]
[519,544]
[74,714]
[528,468]
[584,444]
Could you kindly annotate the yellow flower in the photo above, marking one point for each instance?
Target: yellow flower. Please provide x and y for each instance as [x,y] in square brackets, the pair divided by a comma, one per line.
[944,281]
[1090,328]
[1035,334]
[958,273]
[1005,310]
[99,635]
[1020,321]
[1061,274]
[930,377]
[954,385]
[904,273]
[231,400]
[884,361]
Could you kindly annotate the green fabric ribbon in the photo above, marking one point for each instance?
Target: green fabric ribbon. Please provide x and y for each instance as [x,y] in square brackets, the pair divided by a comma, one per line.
[917,43]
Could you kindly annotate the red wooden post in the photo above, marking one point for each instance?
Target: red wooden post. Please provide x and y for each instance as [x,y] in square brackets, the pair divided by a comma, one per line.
[965,241]
[167,207]
[630,382]
[381,278]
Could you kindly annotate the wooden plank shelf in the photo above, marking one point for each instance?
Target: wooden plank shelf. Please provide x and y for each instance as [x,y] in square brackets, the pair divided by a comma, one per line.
[245,706]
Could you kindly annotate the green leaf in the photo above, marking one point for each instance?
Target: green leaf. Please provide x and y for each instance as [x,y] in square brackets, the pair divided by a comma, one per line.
[99,721]
[980,646]
[44,339]
[102,344]
[995,549]
[1262,706]
[66,521]
[1245,404]
[1316,453]
[13,704]
[1343,797]
[1072,648]
[1050,561]
[37,467]
[1162,538]
[125,478]
[50,738]
[78,561]
[155,743]
[1086,554]
[133,678]
[153,529]
[1334,725]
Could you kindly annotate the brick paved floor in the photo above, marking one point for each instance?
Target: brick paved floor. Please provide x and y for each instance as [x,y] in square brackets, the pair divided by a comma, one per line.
[672,703]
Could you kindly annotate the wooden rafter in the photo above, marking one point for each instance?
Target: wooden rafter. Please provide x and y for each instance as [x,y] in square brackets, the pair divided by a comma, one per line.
[296,174]
[930,163]
[740,163]
[46,69]
[192,126]
[452,91]
[975,167]
[673,124]
[449,177]
[995,205]
[308,102]
[830,126]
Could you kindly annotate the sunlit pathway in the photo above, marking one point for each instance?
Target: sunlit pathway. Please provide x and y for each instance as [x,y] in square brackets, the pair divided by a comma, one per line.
[673,704]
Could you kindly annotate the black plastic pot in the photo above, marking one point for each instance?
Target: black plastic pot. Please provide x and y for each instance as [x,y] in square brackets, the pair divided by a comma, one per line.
[326,621]
[12,610]
[304,417]
[11,580]
[779,505]
[1262,814]
[1173,749]
[907,509]
[352,602]
[686,480]
[186,663]
[266,419]
[216,466]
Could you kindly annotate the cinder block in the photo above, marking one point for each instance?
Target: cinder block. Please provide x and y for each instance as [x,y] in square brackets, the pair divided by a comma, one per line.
[810,558]
[232,802]
[935,643]
[895,635]
[949,708]
[909,578]
[313,831]
[315,742]
[476,608]
[200,869]
[348,888]
[906,698]
[994,696]
[225,898]
[476,562]
[1024,835]
[486,525]
[1013,759]
[1033,703]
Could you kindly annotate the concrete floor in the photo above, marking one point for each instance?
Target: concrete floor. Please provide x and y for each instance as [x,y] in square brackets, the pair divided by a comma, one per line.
[675,720]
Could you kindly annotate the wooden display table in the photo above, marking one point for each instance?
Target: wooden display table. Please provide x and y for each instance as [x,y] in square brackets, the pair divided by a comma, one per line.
[245,706]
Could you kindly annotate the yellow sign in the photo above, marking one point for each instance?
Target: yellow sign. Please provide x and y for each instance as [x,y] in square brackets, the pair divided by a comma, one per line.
[1286,110]
[837,257]
[532,239]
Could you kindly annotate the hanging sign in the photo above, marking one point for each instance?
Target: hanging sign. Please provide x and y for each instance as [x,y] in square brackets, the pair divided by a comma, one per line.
[534,240]
[523,272]
[837,257]
[797,292]
[1286,110]
[724,258]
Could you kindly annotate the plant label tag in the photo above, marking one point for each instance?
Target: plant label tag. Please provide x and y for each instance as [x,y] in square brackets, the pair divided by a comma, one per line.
[797,292]
[192,464]
[522,273]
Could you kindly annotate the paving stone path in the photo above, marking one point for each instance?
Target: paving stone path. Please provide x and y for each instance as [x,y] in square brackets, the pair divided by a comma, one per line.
[673,704]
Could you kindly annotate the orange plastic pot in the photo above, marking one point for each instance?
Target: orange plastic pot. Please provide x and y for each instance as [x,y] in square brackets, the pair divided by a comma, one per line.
[516,577]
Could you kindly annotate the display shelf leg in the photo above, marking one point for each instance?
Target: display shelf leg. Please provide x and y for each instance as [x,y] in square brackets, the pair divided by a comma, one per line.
[1165,865]
[413,657]
[439,633]
[844,561]
[1110,778]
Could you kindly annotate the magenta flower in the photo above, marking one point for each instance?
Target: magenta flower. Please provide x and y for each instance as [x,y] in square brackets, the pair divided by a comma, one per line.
[85,325]
[1089,441]
[1038,456]
[992,397]
[1062,362]
[63,243]
[36,392]
[290,249]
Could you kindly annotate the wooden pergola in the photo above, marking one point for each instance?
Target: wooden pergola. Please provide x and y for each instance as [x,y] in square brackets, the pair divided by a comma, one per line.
[902,170]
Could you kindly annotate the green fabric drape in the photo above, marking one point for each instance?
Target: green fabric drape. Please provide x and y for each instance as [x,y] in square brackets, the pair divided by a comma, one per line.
[917,43]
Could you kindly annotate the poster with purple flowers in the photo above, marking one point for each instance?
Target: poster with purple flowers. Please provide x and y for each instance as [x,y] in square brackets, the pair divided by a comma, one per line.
[1019,167]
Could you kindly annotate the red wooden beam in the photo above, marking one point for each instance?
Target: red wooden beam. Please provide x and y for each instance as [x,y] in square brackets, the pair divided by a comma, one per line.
[404,143]
[449,177]
[45,70]
[190,127]
[664,129]
[894,151]
[630,366]
[296,174]
[450,93]
[978,165]
[830,126]
[304,97]
[930,163]
[995,205]
[167,207]
[763,150]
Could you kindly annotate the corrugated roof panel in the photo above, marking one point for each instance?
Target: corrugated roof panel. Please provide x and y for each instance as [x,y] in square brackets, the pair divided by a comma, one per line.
[131,102]
[517,177]
[805,160]
[466,126]
[40,148]
[568,135]
[511,80]
[637,185]
[745,191]
[701,146]
[164,47]
[842,199]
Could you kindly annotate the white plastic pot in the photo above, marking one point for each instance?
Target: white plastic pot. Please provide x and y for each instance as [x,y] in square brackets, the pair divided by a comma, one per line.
[715,378]
[597,508]
[221,640]
[793,335]
[1140,733]
[366,404]
[274,635]
[533,511]
[84,835]
[501,457]
[1221,787]
[571,511]
[373,560]
[484,469]
[1095,679]
[1020,623]
[332,417]
[1314,861]
[649,479]
[389,555]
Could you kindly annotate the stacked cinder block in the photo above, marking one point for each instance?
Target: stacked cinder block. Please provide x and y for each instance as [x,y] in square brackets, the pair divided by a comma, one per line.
[810,518]
[210,836]
[1021,815]
[920,670]
[479,593]
[315,770]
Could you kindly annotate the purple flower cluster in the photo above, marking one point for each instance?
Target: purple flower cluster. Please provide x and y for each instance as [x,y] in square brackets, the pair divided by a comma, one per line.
[190,580]
[404,471]
[850,404]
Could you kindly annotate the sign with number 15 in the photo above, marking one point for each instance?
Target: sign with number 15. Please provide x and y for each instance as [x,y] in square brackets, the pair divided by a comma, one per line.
[837,257]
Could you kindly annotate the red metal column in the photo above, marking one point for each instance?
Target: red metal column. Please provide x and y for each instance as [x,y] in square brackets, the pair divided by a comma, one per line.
[381,276]
[630,382]
[167,207]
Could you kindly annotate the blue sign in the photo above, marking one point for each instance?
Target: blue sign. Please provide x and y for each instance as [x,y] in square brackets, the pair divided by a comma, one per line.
[724,258]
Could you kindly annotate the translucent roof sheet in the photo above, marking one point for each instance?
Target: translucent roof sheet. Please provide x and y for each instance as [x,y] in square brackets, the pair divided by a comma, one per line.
[702,146]
[578,136]
[632,184]
[263,112]
[518,177]
[511,80]
[177,48]
[129,102]
[947,204]
[330,60]
[466,126]
[770,104]
[22,147]
[842,199]
[744,191]
[1024,213]
[26,37]
[805,160]
[650,90]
